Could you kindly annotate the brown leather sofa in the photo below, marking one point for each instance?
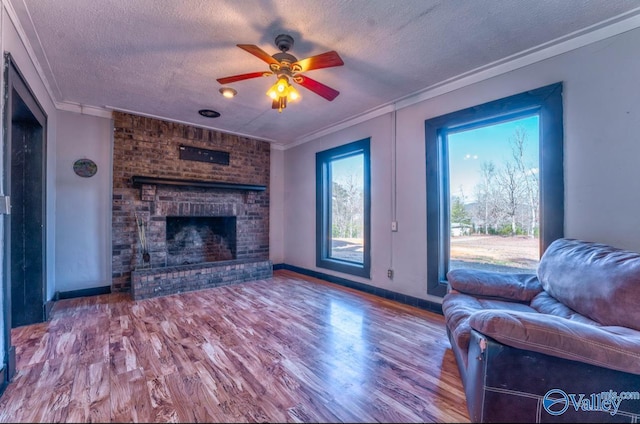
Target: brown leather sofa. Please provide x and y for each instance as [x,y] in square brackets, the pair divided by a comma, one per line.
[561,345]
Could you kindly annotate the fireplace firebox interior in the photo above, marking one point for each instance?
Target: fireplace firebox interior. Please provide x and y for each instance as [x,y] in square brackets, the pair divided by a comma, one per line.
[192,240]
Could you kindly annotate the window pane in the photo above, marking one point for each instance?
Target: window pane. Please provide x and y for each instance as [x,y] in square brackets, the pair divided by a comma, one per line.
[494,196]
[347,208]
[343,205]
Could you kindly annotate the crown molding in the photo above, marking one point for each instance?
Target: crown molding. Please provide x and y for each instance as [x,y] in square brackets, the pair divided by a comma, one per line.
[85,109]
[277,146]
[13,16]
[366,116]
[589,35]
[102,112]
[575,40]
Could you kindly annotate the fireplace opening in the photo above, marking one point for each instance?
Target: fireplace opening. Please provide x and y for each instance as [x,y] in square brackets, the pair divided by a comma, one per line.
[192,240]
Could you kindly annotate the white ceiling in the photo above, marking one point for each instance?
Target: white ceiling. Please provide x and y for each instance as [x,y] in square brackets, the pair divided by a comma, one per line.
[162,57]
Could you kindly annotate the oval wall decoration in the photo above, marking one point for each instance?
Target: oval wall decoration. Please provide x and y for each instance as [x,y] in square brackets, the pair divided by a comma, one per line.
[85,168]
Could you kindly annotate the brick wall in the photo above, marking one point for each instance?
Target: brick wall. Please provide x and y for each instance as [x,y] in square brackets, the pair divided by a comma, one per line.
[150,147]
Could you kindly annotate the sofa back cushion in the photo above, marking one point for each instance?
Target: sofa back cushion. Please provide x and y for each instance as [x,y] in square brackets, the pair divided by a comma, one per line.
[596,280]
[520,287]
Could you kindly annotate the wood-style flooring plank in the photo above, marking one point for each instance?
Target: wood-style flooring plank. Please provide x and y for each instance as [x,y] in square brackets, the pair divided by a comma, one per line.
[287,349]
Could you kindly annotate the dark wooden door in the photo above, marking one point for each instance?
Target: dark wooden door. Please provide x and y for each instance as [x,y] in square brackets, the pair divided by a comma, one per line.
[25,183]
[27,264]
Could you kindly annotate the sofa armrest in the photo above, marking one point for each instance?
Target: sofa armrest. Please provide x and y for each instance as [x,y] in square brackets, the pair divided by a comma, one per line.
[560,337]
[519,287]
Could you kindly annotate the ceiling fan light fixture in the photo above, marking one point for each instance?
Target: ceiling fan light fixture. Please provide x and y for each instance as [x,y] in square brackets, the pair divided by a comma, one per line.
[280,103]
[272,93]
[293,93]
[280,88]
[281,92]
[228,92]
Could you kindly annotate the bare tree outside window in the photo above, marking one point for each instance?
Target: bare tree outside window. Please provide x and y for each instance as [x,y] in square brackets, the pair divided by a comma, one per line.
[347,209]
[496,227]
[486,210]
[529,176]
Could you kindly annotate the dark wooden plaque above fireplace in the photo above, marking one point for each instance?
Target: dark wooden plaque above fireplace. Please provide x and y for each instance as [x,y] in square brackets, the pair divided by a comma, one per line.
[204,155]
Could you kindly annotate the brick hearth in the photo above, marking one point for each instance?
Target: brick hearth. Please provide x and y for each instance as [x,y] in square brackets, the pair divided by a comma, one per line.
[153,282]
[150,147]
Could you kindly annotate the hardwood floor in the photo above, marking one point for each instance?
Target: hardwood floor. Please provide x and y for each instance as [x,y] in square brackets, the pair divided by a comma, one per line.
[286,349]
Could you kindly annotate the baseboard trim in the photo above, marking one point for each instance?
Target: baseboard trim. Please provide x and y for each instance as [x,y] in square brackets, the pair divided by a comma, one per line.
[47,309]
[387,294]
[72,294]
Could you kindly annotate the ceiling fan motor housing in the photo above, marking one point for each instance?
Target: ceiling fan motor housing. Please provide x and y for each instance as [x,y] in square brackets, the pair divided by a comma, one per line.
[284,42]
[285,59]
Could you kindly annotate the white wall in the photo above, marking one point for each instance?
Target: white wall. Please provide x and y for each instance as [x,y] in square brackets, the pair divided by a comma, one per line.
[601,125]
[276,207]
[83,208]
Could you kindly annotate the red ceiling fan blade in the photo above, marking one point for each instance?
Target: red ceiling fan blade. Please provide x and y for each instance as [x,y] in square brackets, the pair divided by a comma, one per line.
[324,60]
[259,53]
[235,78]
[317,87]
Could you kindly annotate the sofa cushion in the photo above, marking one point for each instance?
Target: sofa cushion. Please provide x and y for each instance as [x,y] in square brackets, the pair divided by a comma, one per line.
[458,307]
[596,280]
[547,304]
[518,287]
[550,335]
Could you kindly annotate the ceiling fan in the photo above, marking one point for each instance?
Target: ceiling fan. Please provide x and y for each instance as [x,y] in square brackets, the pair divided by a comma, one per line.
[287,68]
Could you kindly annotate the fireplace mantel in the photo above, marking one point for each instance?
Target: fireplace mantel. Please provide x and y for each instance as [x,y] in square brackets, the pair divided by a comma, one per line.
[141,179]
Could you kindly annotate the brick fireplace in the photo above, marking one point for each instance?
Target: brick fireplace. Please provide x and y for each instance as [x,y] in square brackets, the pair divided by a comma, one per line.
[206,223]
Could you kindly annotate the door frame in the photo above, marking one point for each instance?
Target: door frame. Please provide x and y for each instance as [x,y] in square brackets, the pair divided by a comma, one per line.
[14,81]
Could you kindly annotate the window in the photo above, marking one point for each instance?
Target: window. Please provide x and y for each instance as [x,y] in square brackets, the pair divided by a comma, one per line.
[343,208]
[494,195]
[495,185]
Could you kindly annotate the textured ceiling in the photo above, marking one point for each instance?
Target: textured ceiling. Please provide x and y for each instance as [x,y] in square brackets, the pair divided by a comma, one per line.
[162,57]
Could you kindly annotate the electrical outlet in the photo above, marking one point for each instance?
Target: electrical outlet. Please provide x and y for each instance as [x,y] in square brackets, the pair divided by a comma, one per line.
[390,273]
[394,225]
